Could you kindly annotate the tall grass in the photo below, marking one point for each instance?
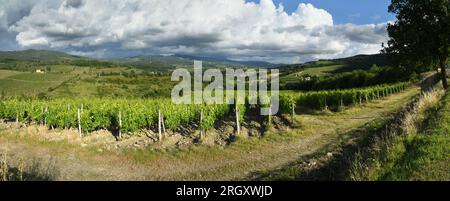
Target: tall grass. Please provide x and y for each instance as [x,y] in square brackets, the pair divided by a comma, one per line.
[390,146]
[12,170]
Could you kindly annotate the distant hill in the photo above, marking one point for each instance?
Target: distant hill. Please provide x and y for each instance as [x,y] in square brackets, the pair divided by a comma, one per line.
[146,62]
[346,64]
[360,61]
[171,62]
[224,60]
[37,55]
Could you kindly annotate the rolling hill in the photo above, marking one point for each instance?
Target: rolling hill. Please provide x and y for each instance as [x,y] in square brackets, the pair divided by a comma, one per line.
[171,62]
[37,55]
[146,62]
[340,65]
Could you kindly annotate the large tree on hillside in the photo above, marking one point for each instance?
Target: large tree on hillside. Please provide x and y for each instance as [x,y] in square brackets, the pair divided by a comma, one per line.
[421,34]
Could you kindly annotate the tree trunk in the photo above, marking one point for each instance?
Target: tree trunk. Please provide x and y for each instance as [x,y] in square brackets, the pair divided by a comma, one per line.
[443,61]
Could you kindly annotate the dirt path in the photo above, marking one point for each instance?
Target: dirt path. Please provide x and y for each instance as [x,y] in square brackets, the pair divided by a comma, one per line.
[237,161]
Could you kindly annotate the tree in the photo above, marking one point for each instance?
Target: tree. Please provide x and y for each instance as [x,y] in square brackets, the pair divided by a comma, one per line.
[421,35]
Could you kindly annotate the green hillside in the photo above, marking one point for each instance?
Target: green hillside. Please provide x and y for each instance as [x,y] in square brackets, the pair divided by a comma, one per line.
[333,66]
[36,55]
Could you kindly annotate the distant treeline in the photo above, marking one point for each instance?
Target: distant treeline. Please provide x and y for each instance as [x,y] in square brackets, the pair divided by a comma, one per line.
[91,63]
[11,64]
[358,78]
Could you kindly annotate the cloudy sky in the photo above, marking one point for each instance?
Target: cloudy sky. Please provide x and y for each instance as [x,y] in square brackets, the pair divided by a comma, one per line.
[280,31]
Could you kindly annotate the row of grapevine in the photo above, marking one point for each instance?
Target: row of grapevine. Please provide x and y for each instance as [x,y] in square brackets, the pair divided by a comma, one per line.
[98,114]
[337,98]
[137,114]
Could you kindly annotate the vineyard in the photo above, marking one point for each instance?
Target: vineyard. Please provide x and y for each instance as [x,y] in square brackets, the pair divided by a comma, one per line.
[337,98]
[132,115]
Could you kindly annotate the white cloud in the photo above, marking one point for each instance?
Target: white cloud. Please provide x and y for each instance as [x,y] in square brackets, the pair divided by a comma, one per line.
[233,28]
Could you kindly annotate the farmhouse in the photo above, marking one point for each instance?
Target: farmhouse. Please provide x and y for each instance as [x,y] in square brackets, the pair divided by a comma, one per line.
[40,71]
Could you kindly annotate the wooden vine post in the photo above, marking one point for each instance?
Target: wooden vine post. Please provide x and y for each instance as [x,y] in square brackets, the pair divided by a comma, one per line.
[202,132]
[42,118]
[45,117]
[293,111]
[17,117]
[79,122]
[66,117]
[238,126]
[120,124]
[159,126]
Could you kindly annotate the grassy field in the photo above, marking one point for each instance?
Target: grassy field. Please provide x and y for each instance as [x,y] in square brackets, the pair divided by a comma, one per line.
[96,84]
[320,71]
[7,73]
[30,84]
[311,71]
[66,81]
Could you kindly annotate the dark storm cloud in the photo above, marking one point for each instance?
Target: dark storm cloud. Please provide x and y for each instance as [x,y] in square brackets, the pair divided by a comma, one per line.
[201,40]
[74,3]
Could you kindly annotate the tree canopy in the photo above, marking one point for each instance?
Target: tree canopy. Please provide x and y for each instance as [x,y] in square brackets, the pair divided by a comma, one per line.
[421,34]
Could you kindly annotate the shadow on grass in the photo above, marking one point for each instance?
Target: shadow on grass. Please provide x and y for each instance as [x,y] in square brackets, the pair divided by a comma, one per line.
[35,171]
